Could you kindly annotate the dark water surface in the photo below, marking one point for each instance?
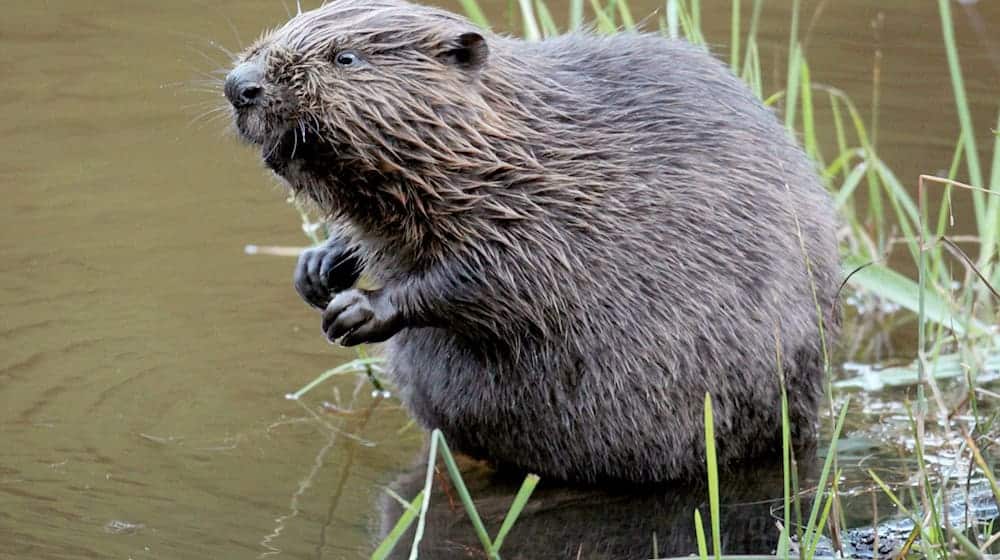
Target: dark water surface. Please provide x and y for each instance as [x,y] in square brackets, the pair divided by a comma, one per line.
[144,357]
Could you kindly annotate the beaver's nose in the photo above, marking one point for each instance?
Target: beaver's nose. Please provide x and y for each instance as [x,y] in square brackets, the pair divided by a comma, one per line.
[243,85]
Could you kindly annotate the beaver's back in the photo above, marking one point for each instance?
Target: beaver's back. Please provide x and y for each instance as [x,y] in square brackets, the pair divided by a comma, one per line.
[666,263]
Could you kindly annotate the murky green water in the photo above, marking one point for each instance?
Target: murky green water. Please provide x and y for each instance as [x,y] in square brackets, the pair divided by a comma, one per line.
[144,357]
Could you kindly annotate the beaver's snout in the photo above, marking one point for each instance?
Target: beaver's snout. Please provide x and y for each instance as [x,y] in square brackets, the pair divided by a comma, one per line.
[243,85]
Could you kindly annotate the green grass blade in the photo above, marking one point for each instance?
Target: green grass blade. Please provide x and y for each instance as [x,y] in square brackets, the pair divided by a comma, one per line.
[354,366]
[962,104]
[474,13]
[673,19]
[813,530]
[989,232]
[418,534]
[995,163]
[818,535]
[907,212]
[917,522]
[850,184]
[369,366]
[575,14]
[549,27]
[626,15]
[984,467]
[752,73]
[987,212]
[792,87]
[775,97]
[751,69]
[786,453]
[696,17]
[945,211]
[791,84]
[758,5]
[531,31]
[970,550]
[409,515]
[892,496]
[689,28]
[520,500]
[838,127]
[783,552]
[811,143]
[713,477]
[699,530]
[875,208]
[933,531]
[604,23]
[463,494]
[734,38]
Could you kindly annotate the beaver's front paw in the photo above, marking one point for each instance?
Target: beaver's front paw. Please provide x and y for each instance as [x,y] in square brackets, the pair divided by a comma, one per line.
[361,316]
[324,271]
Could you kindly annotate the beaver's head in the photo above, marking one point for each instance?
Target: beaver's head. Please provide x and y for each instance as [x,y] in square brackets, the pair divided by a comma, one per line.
[362,89]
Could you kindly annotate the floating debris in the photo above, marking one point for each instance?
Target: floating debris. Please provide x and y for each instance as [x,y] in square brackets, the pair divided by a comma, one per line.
[119,527]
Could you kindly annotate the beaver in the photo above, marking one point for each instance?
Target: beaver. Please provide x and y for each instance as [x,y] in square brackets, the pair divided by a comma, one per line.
[572,241]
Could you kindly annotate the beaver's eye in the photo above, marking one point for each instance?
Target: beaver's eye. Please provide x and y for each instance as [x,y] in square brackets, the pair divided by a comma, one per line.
[348,58]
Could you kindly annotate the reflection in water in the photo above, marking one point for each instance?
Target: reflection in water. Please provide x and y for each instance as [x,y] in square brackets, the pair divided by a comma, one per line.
[658,522]
[351,427]
[571,522]
[269,542]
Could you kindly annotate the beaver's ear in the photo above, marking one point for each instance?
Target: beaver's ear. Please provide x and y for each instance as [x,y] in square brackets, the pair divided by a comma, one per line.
[467,51]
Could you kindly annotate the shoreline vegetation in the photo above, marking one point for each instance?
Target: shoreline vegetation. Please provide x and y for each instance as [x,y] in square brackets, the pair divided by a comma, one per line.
[954,299]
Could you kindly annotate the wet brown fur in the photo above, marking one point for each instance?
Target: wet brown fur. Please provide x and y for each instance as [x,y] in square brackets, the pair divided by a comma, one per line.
[585,234]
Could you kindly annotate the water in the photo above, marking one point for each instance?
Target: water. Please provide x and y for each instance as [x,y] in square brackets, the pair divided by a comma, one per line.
[144,357]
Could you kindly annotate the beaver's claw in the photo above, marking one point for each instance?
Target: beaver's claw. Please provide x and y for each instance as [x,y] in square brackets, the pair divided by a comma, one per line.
[325,271]
[361,316]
